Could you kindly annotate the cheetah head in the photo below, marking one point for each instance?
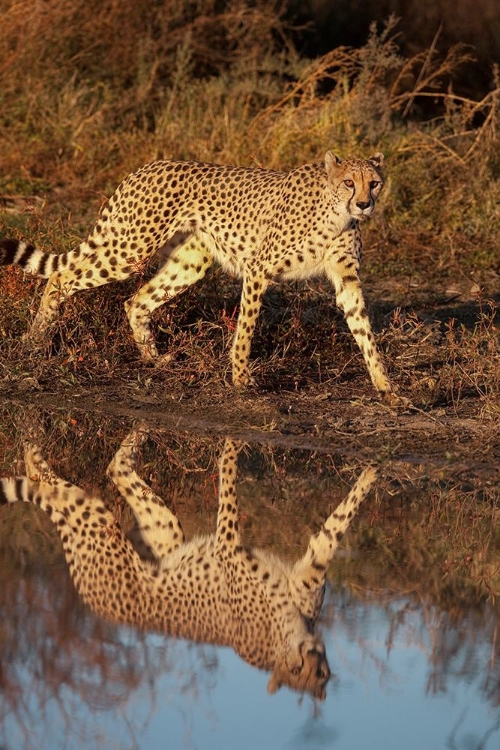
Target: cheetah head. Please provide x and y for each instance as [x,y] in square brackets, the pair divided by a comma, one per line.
[303,668]
[355,183]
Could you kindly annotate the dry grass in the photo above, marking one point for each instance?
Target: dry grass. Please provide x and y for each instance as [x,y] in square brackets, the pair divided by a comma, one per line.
[90,91]
[120,84]
[447,363]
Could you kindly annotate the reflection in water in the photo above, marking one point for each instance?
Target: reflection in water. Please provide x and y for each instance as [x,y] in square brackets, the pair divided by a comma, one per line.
[211,589]
[413,669]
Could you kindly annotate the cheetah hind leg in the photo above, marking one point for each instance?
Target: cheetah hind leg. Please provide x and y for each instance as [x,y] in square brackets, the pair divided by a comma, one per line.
[61,499]
[37,468]
[81,275]
[40,331]
[159,528]
[186,264]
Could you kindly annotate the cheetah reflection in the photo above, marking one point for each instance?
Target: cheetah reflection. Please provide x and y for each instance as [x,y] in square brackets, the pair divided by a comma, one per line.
[211,589]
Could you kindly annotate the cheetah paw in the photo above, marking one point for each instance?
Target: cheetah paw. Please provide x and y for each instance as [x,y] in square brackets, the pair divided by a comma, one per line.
[151,357]
[35,341]
[162,360]
[243,380]
[395,401]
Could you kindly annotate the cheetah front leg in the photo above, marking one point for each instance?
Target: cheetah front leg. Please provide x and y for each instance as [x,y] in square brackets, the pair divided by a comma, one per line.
[351,302]
[227,536]
[254,286]
[309,573]
[345,279]
[159,527]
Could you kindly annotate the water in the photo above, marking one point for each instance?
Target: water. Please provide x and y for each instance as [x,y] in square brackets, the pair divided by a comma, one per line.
[410,632]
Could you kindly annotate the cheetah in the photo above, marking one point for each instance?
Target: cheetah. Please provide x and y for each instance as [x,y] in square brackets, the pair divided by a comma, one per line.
[259,224]
[211,589]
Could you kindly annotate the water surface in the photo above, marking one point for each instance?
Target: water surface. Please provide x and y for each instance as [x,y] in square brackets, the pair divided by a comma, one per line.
[409,625]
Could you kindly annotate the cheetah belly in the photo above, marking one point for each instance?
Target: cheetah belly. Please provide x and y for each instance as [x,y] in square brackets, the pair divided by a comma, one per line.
[227,253]
[309,267]
[190,600]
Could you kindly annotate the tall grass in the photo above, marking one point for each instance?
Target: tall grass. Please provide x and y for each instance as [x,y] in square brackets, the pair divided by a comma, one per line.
[90,91]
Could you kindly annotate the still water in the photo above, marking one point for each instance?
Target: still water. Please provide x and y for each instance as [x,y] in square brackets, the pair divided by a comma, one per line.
[408,621]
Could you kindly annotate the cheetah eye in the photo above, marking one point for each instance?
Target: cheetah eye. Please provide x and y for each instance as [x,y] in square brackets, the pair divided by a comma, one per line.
[349,183]
[374,184]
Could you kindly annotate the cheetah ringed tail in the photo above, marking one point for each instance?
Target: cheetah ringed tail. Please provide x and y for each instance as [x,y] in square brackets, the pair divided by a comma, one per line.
[55,496]
[32,260]
[16,489]
[44,492]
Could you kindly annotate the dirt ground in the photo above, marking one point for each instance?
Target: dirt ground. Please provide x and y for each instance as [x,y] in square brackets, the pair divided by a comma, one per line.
[336,419]
[451,424]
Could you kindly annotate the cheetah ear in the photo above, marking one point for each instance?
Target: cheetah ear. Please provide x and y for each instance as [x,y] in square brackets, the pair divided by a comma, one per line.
[377,159]
[320,693]
[331,162]
[274,684]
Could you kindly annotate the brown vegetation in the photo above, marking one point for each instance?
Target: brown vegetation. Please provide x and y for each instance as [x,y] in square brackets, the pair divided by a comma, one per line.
[93,90]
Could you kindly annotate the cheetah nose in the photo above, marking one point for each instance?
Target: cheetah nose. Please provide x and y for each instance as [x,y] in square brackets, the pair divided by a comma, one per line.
[363,204]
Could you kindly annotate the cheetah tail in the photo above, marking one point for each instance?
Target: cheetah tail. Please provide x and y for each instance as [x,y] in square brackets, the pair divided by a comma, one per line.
[16,489]
[33,260]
